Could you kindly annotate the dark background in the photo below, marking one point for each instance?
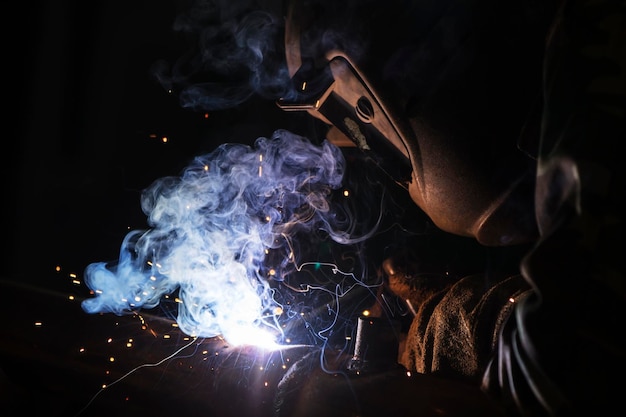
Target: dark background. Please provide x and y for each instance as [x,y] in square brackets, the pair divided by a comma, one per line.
[85,121]
[90,122]
[85,124]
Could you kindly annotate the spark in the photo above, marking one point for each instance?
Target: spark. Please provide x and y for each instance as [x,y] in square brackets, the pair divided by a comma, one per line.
[132,371]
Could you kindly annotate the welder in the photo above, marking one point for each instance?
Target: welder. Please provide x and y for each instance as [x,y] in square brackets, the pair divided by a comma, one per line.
[508,116]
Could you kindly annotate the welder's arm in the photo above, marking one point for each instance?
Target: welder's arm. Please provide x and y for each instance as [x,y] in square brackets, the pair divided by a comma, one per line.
[310,382]
[307,390]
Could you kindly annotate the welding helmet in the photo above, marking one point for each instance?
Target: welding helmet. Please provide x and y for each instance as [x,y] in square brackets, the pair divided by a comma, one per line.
[444,96]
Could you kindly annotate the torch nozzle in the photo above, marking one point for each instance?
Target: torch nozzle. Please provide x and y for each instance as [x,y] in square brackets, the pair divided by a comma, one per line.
[376,344]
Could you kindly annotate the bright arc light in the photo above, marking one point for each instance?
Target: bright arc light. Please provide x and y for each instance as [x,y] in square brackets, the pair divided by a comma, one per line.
[252,336]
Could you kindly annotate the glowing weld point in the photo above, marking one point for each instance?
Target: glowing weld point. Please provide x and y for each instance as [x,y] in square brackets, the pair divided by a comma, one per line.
[252,336]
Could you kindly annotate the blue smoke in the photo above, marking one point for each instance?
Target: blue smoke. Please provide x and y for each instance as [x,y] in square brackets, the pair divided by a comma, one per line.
[237,52]
[212,228]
